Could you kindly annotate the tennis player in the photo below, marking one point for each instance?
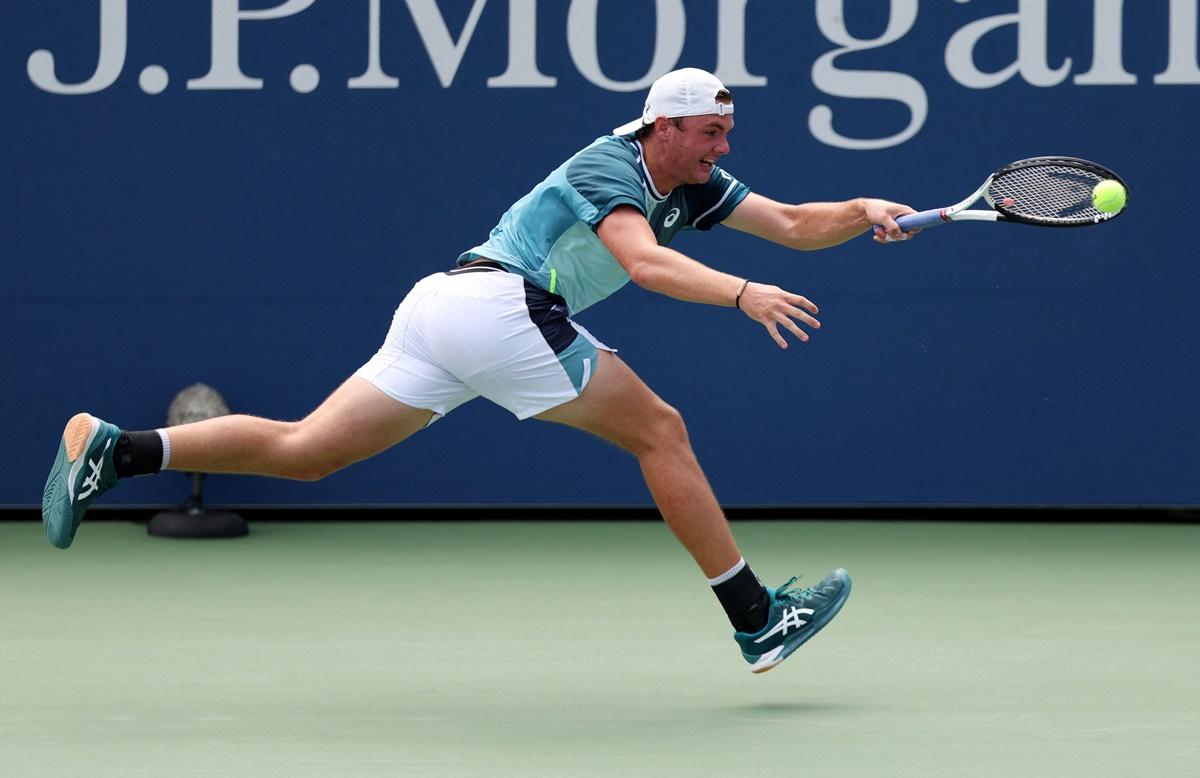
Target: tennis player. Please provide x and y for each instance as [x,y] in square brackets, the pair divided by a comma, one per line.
[499,324]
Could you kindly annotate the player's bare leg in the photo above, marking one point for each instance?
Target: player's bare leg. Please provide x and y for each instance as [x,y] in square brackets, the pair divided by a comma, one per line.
[357,421]
[618,406]
[771,623]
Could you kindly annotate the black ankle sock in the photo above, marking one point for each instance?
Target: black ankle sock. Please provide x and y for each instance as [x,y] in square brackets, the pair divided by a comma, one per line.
[745,600]
[137,453]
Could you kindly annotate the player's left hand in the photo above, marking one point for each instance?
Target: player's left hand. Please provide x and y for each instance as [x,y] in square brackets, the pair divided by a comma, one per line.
[773,308]
[882,214]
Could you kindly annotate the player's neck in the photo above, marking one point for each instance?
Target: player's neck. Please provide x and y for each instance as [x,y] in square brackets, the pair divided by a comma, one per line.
[655,159]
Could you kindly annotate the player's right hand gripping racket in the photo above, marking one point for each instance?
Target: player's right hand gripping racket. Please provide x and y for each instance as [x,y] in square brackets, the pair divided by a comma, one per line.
[1043,191]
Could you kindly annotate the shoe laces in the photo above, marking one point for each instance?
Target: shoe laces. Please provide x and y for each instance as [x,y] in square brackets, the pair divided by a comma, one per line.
[786,594]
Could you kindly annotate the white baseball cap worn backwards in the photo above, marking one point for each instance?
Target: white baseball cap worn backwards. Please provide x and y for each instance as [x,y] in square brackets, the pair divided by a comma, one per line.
[684,92]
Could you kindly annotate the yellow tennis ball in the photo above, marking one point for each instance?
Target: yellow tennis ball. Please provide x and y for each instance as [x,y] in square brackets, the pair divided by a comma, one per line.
[1108,196]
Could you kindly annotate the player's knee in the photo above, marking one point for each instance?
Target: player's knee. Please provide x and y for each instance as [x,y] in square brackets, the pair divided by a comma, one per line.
[303,457]
[665,430]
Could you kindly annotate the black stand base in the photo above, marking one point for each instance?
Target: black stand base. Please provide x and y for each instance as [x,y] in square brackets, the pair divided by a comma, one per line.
[197,524]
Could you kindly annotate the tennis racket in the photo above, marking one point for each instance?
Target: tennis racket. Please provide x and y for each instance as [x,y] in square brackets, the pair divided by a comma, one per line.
[1042,191]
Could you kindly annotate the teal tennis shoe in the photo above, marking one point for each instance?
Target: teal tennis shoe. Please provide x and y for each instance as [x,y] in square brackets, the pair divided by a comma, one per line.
[83,470]
[794,617]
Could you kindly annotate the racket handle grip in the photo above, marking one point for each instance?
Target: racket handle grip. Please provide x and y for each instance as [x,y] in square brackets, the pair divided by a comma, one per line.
[917,221]
[921,220]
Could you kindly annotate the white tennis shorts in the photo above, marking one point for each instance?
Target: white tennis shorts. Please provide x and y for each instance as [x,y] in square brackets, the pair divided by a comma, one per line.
[482,331]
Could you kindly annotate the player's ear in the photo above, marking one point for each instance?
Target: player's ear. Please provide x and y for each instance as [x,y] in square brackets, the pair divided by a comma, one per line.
[663,125]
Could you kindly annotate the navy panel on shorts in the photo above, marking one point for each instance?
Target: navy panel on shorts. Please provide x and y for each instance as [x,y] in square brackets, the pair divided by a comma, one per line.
[548,312]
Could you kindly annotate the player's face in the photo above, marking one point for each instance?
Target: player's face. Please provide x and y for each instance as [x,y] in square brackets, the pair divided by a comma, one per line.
[697,146]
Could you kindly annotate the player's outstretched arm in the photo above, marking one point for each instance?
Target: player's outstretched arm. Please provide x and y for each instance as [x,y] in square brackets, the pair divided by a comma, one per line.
[809,226]
[628,236]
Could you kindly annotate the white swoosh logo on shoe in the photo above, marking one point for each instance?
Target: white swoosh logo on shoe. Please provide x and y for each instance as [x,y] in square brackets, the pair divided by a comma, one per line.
[791,618]
[92,482]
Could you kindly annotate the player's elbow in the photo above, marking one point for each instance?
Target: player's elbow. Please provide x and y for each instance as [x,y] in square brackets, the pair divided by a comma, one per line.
[642,272]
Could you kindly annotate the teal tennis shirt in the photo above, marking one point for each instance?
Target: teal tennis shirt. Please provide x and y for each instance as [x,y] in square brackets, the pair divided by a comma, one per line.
[549,235]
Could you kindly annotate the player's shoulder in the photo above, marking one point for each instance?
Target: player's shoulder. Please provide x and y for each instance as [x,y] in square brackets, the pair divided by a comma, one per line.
[607,155]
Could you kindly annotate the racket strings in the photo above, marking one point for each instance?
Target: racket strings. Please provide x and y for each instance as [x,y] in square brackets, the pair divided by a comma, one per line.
[1049,194]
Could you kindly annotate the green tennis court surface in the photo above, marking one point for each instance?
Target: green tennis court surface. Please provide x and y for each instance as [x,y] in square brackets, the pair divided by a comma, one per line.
[596,649]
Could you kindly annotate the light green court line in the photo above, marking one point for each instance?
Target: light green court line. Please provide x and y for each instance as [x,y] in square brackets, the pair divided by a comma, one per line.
[595,649]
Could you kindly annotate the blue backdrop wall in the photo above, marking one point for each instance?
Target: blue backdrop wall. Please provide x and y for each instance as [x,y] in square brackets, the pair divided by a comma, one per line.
[239,193]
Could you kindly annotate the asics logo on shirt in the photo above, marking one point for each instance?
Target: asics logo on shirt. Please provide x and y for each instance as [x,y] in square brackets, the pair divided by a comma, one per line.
[92,482]
[671,217]
[791,619]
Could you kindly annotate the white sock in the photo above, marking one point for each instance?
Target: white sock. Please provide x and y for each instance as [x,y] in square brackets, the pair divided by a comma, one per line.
[730,573]
[166,441]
